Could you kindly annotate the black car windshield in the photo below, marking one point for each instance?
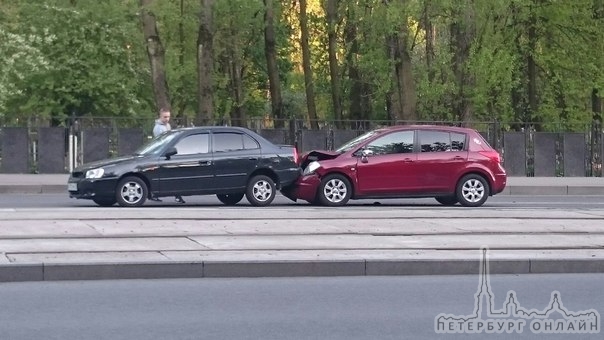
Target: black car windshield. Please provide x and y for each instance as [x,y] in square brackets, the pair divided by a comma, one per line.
[155,145]
[354,142]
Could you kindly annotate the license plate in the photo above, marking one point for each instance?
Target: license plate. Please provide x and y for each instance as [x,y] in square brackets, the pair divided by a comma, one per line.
[72,186]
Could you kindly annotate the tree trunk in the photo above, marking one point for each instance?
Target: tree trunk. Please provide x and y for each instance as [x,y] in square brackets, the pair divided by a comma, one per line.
[596,99]
[156,53]
[356,91]
[271,66]
[518,93]
[532,68]
[402,99]
[430,40]
[308,78]
[238,114]
[430,29]
[596,106]
[205,65]
[462,34]
[406,81]
[393,100]
[332,19]
[181,104]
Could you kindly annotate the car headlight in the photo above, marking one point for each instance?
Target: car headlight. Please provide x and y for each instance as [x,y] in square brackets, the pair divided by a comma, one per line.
[95,173]
[312,166]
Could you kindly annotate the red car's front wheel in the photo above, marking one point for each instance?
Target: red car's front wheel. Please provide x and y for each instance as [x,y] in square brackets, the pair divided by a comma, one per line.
[335,190]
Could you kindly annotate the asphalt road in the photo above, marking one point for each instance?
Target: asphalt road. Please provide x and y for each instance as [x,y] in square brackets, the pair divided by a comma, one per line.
[278,308]
[502,201]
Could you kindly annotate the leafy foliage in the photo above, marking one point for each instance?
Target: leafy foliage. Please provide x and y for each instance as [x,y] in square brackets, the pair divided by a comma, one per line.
[83,59]
[63,57]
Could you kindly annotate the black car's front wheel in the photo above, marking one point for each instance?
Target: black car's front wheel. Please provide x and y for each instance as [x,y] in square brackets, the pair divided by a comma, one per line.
[261,191]
[335,190]
[230,199]
[104,202]
[131,192]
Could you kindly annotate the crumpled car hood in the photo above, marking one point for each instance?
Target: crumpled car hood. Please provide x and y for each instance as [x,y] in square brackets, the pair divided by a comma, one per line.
[317,155]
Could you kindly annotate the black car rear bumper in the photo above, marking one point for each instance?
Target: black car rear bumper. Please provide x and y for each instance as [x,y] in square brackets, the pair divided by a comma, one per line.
[288,177]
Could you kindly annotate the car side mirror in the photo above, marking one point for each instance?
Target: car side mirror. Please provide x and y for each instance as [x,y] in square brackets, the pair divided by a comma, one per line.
[170,152]
[364,154]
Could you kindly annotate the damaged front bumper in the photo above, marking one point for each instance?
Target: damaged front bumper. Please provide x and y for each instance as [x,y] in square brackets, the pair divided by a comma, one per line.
[305,188]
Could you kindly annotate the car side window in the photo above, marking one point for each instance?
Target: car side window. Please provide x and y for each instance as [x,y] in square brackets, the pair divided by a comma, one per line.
[392,143]
[250,143]
[439,141]
[193,144]
[228,141]
[458,141]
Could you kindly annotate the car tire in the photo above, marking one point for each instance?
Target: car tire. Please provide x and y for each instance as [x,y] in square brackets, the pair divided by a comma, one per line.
[472,190]
[447,200]
[230,199]
[131,192]
[335,190]
[104,202]
[315,202]
[261,191]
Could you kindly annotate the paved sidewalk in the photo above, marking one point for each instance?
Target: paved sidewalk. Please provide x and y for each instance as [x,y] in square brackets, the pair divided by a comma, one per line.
[57,183]
[90,243]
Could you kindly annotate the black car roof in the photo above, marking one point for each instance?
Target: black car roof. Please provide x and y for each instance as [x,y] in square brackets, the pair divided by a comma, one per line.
[214,128]
[263,141]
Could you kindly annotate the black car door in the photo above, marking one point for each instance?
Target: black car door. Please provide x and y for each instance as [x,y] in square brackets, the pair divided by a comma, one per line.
[235,155]
[191,170]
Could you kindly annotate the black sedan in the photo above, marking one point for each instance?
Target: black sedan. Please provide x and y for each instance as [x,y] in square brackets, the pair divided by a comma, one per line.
[228,162]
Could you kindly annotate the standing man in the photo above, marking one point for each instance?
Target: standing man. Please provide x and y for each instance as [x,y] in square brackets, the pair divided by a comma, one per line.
[162,124]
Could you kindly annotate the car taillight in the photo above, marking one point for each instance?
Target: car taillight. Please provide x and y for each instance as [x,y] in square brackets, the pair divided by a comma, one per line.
[492,154]
[296,155]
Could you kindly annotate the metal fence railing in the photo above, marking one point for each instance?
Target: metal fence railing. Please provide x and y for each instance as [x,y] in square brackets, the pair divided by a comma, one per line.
[566,150]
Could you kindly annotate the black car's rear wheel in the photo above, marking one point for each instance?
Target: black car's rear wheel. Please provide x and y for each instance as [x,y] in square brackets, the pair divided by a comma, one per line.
[447,200]
[230,199]
[472,190]
[261,191]
[104,201]
[335,190]
[131,192]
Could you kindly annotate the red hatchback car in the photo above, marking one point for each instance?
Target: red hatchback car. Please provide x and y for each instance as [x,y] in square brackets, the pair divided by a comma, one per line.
[452,164]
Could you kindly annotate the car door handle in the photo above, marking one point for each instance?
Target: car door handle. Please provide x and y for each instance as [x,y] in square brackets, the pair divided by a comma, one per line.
[253,158]
[458,158]
[205,163]
[408,160]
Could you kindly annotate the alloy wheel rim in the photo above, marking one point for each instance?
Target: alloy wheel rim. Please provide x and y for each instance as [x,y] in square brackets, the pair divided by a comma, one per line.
[262,191]
[473,190]
[335,191]
[132,192]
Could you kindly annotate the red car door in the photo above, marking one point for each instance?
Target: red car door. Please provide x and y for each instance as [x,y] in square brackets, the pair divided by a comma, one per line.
[387,165]
[442,157]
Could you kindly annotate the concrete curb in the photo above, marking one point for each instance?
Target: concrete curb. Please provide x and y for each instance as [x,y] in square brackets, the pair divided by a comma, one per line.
[57,183]
[509,190]
[239,269]
[33,189]
[554,190]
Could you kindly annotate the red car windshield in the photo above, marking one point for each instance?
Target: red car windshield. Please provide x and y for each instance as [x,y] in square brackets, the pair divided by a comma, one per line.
[356,141]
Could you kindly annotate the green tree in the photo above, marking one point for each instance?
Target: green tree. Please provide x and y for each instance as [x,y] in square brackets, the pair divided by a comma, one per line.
[87,60]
